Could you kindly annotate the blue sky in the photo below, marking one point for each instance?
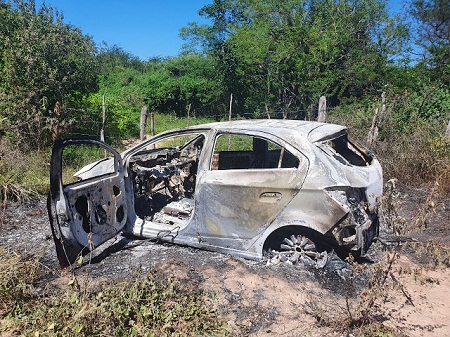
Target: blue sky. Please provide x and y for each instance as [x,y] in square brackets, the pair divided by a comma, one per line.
[144,28]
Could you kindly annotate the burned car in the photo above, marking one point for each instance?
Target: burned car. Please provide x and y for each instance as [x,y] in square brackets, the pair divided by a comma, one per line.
[296,189]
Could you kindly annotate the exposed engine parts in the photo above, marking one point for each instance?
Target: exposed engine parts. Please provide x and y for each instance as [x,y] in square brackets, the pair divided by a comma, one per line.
[162,176]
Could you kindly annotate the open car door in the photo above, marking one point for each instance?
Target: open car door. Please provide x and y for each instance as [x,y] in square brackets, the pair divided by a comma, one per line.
[86,211]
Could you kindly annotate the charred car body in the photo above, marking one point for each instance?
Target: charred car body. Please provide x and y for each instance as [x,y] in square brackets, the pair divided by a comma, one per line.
[295,188]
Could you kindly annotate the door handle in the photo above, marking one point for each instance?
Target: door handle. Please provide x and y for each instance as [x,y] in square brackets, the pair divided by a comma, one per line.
[270,197]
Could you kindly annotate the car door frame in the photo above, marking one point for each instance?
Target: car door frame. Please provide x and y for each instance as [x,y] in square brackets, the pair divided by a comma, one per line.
[105,218]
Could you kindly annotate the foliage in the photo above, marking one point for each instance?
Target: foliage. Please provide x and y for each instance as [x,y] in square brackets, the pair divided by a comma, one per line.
[283,55]
[171,86]
[149,305]
[114,56]
[22,177]
[168,86]
[18,272]
[434,35]
[42,61]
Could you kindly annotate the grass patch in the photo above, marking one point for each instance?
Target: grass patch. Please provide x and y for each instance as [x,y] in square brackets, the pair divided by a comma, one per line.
[18,272]
[146,305]
[165,122]
[23,176]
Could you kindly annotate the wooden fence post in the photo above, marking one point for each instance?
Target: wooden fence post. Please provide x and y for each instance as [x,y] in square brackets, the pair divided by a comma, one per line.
[372,136]
[143,122]
[229,119]
[55,122]
[188,115]
[267,111]
[322,115]
[102,131]
[378,119]
[231,103]
[152,123]
[447,132]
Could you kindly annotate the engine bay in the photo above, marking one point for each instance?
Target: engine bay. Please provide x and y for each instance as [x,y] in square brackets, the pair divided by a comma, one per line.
[164,181]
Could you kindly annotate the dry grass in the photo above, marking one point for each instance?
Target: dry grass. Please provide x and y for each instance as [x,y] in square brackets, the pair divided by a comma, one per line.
[416,157]
[18,272]
[144,305]
[361,313]
[22,176]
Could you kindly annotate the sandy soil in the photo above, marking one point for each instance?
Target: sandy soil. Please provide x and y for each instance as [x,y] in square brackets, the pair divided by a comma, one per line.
[283,300]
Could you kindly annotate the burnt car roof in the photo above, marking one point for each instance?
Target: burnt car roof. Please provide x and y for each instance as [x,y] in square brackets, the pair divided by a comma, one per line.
[271,125]
[292,130]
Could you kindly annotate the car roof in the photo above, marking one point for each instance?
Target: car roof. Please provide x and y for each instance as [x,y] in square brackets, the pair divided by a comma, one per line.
[293,130]
[299,134]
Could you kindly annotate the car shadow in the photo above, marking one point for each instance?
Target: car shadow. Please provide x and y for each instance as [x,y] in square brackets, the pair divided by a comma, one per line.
[112,249]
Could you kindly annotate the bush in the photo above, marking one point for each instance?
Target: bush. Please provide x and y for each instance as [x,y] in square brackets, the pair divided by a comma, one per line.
[147,305]
[23,176]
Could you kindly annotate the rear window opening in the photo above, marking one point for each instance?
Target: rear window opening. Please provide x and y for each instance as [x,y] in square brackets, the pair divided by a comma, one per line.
[347,152]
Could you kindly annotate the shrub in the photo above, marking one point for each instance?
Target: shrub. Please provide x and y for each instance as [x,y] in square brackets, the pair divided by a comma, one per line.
[23,176]
[146,305]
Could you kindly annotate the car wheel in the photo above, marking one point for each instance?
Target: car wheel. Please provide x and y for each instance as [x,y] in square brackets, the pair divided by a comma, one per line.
[301,249]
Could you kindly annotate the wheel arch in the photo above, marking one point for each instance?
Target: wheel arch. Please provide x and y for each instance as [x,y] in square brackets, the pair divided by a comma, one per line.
[275,238]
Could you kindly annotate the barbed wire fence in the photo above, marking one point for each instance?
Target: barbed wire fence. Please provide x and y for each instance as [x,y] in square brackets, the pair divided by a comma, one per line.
[93,127]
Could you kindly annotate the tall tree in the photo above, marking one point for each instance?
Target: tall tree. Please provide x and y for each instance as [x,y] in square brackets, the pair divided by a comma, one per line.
[434,34]
[42,61]
[284,55]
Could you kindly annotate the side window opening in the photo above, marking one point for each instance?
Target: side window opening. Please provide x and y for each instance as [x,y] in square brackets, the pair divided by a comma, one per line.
[85,161]
[234,151]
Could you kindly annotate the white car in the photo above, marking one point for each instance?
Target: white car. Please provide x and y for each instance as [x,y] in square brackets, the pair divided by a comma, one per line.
[294,188]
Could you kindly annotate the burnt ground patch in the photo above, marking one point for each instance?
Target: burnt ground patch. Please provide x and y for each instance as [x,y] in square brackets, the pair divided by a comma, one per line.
[255,298]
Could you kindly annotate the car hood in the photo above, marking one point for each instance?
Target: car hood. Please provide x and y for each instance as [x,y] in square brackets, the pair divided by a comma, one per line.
[95,169]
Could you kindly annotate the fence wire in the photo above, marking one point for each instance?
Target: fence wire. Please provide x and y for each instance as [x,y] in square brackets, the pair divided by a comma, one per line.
[78,129]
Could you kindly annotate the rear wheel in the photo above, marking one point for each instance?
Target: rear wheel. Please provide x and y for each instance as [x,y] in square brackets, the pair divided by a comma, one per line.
[294,245]
[299,248]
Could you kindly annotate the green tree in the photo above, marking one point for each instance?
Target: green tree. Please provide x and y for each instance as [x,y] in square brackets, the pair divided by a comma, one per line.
[284,55]
[42,61]
[434,35]
[171,85]
[190,81]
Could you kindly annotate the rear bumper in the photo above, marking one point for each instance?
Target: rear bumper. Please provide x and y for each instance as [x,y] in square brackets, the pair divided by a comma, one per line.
[357,238]
[366,234]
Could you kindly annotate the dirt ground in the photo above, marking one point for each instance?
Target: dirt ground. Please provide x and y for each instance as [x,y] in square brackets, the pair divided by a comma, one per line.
[284,300]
